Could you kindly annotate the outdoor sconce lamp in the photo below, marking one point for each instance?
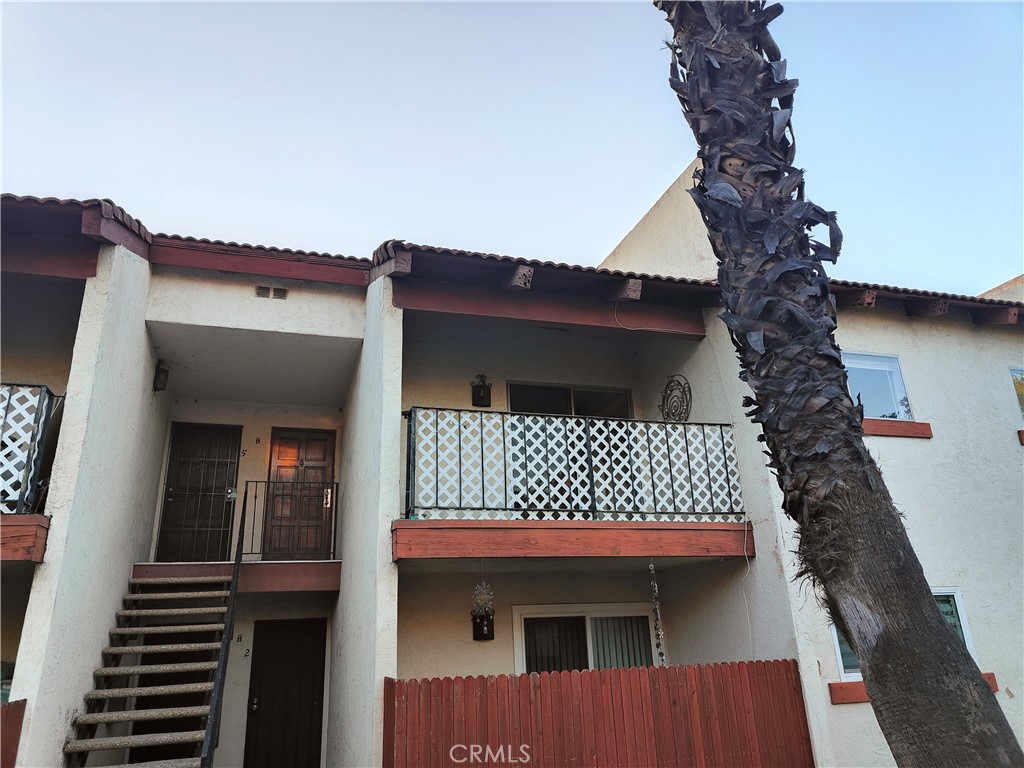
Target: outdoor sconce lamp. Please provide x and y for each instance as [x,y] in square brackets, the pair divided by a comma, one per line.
[481,392]
[160,376]
[483,612]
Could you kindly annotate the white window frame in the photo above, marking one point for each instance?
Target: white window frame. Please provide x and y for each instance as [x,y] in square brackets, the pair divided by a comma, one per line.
[958,599]
[881,362]
[587,610]
[1016,372]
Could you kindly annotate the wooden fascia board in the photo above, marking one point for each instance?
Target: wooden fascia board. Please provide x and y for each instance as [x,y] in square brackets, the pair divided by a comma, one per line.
[444,539]
[237,260]
[109,231]
[480,301]
[399,266]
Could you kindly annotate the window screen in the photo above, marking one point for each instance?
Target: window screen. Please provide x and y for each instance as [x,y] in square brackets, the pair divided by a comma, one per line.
[621,641]
[555,643]
[568,401]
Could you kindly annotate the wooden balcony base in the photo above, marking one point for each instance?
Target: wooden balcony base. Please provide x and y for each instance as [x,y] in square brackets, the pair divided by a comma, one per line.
[23,537]
[442,539]
[277,576]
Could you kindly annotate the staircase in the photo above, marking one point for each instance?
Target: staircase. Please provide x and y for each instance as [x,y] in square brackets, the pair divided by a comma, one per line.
[152,700]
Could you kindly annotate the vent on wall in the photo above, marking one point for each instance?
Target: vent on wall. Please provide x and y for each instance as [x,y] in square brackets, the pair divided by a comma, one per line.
[266,292]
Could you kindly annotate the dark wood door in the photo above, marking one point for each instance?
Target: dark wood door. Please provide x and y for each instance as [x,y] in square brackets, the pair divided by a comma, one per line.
[286,694]
[198,497]
[298,519]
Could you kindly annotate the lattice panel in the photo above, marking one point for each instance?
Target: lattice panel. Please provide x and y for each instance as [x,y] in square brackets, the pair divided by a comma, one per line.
[25,410]
[494,466]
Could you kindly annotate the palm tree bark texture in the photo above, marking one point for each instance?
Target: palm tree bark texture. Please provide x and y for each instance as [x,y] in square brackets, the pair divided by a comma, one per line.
[929,697]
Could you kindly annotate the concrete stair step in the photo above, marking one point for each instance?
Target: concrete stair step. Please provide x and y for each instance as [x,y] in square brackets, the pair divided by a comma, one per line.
[132,597]
[180,580]
[127,742]
[148,690]
[132,715]
[126,650]
[157,669]
[164,629]
[183,762]
[201,610]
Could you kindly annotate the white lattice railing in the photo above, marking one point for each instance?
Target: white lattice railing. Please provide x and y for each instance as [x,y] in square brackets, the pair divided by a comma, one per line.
[25,409]
[479,465]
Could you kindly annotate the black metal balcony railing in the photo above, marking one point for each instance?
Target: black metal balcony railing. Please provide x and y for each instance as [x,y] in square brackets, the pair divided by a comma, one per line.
[289,520]
[25,409]
[512,466]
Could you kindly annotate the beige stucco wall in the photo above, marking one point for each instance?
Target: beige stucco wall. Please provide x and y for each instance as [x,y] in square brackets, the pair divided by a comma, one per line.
[670,239]
[199,297]
[435,636]
[249,609]
[961,493]
[102,494]
[258,422]
[1011,290]
[38,323]
[364,634]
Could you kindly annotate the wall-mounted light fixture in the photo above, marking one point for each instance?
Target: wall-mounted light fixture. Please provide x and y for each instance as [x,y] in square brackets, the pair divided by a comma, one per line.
[483,612]
[481,392]
[160,376]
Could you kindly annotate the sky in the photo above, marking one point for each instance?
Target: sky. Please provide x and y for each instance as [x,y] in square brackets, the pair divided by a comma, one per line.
[538,130]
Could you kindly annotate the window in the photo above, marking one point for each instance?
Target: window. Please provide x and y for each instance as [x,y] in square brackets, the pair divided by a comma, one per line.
[877,379]
[950,604]
[569,401]
[556,638]
[1017,375]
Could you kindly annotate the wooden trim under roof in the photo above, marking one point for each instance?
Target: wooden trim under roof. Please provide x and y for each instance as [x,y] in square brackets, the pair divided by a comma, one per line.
[450,298]
[258,260]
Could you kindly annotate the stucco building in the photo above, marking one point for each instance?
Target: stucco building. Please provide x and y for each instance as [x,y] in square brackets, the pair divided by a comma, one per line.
[437,464]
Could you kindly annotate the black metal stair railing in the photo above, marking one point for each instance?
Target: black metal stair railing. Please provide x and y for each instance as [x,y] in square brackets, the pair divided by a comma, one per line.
[484,465]
[289,520]
[212,731]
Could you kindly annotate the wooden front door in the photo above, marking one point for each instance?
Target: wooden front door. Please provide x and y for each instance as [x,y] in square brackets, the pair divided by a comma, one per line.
[299,513]
[286,694]
[198,496]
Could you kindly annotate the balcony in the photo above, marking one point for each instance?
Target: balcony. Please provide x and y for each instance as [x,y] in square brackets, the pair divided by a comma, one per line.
[287,530]
[511,484]
[26,411]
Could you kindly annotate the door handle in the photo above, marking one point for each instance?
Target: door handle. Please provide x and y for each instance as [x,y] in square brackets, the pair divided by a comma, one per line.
[255,704]
[327,498]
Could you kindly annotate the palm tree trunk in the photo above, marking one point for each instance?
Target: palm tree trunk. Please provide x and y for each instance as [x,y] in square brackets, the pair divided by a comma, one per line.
[929,697]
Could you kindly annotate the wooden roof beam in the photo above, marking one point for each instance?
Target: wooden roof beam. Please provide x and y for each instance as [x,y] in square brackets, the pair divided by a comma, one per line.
[926,307]
[996,316]
[399,266]
[520,279]
[850,299]
[627,289]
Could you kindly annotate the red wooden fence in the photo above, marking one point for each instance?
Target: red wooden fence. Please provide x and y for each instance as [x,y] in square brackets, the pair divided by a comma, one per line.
[742,714]
[11,716]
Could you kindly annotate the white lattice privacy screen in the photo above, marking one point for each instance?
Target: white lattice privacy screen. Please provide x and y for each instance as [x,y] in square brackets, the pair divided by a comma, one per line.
[508,466]
[25,409]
